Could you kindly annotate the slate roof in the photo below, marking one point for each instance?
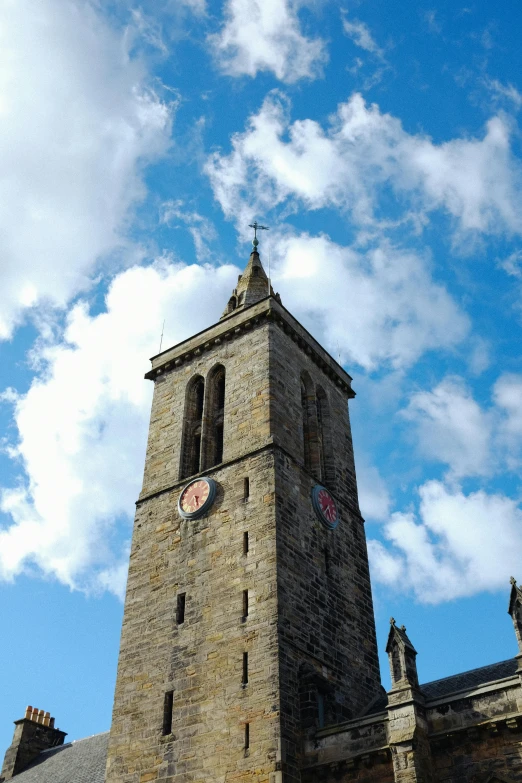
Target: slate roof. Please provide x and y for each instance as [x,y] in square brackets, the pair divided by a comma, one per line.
[439,689]
[82,761]
[496,671]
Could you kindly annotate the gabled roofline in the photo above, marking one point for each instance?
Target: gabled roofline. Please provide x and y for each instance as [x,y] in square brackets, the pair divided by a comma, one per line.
[232,326]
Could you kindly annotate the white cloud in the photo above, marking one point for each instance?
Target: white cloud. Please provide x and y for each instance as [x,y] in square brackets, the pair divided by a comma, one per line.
[460,545]
[149,29]
[82,425]
[507,395]
[78,123]
[374,498]
[375,308]
[452,428]
[200,228]
[505,92]
[513,264]
[434,25]
[265,35]
[352,162]
[360,34]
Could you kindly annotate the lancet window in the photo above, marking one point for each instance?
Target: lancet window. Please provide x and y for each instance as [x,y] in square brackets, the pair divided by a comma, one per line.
[309,424]
[317,433]
[324,436]
[214,417]
[192,427]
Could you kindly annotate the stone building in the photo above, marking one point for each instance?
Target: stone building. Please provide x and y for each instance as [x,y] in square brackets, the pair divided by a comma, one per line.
[248,650]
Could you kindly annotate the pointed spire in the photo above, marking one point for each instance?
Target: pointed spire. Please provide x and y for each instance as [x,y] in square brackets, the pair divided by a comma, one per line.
[401,655]
[253,285]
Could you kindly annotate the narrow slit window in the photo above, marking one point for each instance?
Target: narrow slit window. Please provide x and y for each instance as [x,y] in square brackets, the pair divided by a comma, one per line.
[245,669]
[245,542]
[320,710]
[245,604]
[247,736]
[180,608]
[246,488]
[167,712]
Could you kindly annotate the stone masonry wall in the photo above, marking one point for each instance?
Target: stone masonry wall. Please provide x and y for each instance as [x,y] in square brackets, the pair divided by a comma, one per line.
[201,660]
[477,735]
[287,362]
[478,756]
[326,616]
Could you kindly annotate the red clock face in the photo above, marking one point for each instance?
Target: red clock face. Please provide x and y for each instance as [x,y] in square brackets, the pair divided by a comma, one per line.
[194,496]
[327,506]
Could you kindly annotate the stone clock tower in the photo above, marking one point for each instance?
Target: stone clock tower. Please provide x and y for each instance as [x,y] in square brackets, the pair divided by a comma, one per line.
[248,619]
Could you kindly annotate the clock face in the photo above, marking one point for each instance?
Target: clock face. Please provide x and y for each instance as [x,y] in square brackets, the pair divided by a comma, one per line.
[325,507]
[197,497]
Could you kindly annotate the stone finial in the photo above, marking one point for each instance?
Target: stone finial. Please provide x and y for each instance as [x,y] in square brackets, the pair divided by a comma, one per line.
[392,620]
[515,610]
[257,227]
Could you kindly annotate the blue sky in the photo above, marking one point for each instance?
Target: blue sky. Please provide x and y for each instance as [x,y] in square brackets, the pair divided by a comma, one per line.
[381,143]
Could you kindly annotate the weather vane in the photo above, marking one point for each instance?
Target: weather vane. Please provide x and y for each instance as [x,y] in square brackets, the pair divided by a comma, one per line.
[255,225]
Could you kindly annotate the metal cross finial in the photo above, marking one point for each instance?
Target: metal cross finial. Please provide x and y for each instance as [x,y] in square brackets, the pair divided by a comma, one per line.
[255,225]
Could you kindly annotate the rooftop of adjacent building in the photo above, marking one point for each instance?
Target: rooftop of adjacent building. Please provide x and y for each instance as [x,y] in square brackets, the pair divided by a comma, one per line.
[83,761]
[456,683]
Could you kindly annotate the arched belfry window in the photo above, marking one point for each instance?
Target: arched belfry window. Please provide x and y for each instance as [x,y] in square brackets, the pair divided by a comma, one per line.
[309,426]
[324,437]
[214,417]
[192,427]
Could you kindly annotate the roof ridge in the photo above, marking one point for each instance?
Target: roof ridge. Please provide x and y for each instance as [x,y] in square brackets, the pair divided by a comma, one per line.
[71,743]
[468,671]
[90,736]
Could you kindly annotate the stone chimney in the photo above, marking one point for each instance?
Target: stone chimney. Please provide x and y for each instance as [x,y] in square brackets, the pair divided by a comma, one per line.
[33,733]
